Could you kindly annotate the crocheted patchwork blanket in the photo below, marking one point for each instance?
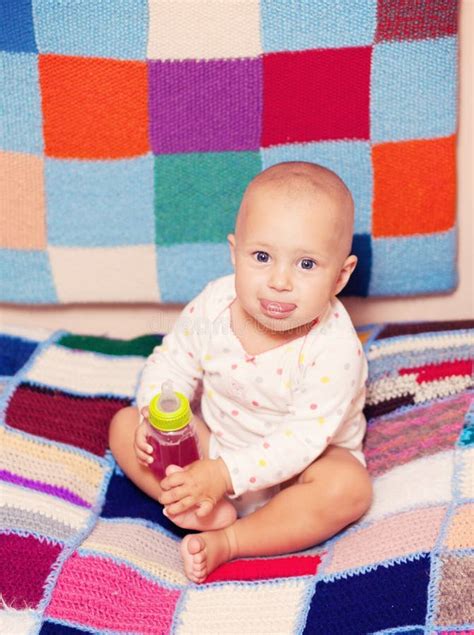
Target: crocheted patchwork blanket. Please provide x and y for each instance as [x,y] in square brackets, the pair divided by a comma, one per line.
[83,550]
[131,128]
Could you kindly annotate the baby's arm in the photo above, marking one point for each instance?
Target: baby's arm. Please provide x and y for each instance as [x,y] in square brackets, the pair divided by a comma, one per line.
[178,359]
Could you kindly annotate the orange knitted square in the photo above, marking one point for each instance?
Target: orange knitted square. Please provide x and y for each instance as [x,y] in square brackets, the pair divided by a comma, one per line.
[22,203]
[94,108]
[414,187]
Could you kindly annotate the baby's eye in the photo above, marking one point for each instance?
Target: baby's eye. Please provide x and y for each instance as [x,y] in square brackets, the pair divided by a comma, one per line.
[307,263]
[261,256]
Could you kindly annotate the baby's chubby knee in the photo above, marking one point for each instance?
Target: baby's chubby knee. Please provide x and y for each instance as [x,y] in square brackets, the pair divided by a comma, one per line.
[350,492]
[344,485]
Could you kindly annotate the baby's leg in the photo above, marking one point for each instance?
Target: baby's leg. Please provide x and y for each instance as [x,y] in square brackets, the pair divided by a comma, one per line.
[121,441]
[329,495]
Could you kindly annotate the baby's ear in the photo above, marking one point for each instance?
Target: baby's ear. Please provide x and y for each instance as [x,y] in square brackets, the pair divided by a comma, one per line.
[347,268]
[231,241]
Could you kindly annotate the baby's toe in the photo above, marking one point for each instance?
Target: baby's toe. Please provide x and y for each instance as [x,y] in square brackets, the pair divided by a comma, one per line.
[171,469]
[199,558]
[195,545]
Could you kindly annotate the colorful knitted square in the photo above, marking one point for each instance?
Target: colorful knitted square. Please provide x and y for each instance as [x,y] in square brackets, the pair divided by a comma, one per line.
[29,202]
[111,199]
[88,29]
[132,128]
[226,92]
[84,550]
[17,33]
[101,111]
[21,103]
[332,83]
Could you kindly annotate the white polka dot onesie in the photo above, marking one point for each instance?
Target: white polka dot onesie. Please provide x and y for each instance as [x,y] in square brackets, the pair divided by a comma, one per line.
[272,414]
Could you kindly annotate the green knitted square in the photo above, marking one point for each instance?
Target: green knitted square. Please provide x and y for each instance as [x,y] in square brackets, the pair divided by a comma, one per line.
[197,195]
[141,346]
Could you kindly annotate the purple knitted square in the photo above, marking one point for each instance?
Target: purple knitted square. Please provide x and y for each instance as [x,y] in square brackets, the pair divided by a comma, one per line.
[205,106]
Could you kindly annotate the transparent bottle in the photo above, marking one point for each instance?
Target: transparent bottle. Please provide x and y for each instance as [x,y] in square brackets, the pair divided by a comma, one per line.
[171,431]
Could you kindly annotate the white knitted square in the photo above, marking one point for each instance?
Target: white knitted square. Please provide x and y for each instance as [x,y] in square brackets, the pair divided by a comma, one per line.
[204,30]
[238,609]
[426,481]
[86,372]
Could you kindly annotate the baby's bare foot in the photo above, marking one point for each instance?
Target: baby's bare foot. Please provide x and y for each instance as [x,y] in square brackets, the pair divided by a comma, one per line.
[205,552]
[221,516]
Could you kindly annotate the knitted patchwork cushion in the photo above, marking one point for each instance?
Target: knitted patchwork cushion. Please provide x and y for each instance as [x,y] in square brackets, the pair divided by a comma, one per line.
[83,550]
[131,129]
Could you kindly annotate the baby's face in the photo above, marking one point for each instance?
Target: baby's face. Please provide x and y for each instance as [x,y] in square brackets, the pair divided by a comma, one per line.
[287,256]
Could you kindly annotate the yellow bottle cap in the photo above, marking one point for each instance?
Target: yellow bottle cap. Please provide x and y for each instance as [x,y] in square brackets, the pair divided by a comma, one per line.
[170,421]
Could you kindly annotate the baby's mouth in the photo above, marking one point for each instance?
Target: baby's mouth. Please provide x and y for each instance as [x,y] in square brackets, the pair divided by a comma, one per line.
[277,309]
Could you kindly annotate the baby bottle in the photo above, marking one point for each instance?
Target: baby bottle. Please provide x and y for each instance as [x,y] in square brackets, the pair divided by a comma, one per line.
[171,431]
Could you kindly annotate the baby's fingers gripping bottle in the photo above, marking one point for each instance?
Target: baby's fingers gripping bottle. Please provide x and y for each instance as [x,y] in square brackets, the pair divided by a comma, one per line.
[171,431]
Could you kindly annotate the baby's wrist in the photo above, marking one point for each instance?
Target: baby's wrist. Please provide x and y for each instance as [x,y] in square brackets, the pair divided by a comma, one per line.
[226,475]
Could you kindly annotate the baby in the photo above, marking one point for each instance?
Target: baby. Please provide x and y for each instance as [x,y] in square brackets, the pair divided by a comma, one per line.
[283,378]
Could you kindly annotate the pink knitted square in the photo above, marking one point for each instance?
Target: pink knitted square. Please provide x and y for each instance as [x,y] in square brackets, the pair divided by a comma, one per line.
[113,596]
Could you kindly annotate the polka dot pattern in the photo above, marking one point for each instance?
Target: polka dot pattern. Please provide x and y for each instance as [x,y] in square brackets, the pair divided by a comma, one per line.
[274,412]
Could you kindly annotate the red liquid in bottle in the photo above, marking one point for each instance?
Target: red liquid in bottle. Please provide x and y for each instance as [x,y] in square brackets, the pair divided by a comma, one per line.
[182,452]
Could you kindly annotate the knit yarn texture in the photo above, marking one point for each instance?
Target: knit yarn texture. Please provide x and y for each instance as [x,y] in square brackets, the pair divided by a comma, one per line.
[130,130]
[83,550]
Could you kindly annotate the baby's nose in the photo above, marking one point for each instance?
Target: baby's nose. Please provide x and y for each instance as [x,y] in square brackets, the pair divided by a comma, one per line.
[280,279]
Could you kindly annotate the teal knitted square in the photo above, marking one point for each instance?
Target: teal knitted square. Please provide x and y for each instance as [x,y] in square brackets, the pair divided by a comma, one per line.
[197,195]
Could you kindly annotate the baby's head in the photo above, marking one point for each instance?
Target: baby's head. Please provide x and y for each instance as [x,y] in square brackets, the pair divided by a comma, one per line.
[291,247]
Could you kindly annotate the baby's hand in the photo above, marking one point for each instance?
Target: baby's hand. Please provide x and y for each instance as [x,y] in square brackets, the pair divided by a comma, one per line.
[201,484]
[141,446]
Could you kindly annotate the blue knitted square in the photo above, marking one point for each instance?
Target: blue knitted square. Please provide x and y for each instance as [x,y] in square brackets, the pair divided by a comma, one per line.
[387,597]
[32,281]
[126,500]
[206,260]
[323,24]
[14,353]
[16,26]
[413,264]
[22,123]
[96,29]
[100,203]
[51,628]
[413,89]
[359,282]
[349,159]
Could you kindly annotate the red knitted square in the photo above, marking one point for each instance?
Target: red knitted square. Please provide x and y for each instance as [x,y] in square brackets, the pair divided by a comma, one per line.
[25,564]
[264,569]
[94,108]
[415,19]
[316,95]
[60,416]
